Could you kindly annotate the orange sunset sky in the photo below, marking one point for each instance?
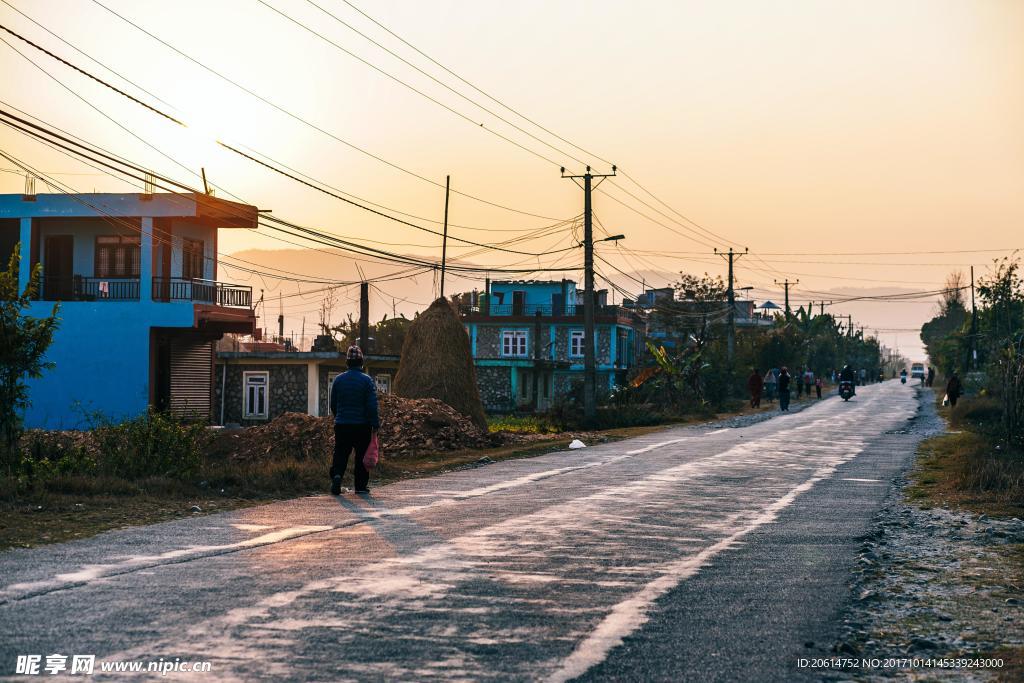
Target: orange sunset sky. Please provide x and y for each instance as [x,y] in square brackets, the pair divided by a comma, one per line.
[817,133]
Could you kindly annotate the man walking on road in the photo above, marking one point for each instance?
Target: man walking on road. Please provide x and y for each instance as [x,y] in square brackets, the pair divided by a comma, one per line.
[808,381]
[954,389]
[354,404]
[769,384]
[783,383]
[754,385]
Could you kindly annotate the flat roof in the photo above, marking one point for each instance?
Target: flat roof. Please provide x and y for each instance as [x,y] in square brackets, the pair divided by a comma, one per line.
[221,212]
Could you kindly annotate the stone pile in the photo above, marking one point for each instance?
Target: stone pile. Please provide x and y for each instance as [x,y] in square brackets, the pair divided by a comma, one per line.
[408,427]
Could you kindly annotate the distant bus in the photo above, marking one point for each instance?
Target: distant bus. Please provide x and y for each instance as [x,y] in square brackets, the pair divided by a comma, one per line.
[917,370]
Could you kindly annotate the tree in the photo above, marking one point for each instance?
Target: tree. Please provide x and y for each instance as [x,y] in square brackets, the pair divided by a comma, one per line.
[694,317]
[388,335]
[945,336]
[23,344]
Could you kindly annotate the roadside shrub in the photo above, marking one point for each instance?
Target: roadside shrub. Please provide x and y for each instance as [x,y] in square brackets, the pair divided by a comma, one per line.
[152,444]
[524,424]
[43,456]
[981,413]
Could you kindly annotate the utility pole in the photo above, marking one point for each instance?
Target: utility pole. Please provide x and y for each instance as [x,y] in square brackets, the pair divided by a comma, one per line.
[822,304]
[280,318]
[364,317]
[786,283]
[589,361]
[974,326]
[444,241]
[731,296]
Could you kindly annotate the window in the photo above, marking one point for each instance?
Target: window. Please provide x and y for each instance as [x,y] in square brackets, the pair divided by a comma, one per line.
[576,344]
[383,383]
[255,388]
[513,343]
[117,256]
[191,259]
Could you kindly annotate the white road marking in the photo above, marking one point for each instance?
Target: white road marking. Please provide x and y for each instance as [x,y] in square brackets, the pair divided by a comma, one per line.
[630,614]
[93,572]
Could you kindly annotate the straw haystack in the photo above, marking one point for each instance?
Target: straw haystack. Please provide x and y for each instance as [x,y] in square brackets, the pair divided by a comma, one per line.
[437,362]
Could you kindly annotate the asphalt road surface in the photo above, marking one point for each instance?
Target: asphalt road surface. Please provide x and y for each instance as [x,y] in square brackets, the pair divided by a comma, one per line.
[690,554]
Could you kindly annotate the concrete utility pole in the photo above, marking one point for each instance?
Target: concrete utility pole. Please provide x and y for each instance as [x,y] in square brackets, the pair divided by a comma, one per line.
[444,241]
[822,304]
[589,361]
[731,296]
[974,326]
[364,317]
[786,284]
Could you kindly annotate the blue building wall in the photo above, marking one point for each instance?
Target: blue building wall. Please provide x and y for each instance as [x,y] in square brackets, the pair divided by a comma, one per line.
[101,351]
[536,293]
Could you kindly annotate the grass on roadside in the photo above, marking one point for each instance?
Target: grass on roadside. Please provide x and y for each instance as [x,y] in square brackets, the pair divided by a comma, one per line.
[968,468]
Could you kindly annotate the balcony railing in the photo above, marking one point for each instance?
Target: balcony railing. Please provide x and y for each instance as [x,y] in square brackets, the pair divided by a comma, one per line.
[201,291]
[545,310]
[79,288]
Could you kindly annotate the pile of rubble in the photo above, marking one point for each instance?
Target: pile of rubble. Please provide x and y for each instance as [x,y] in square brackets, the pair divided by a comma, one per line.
[408,427]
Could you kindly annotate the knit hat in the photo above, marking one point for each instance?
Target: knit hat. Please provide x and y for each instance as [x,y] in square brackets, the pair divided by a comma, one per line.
[354,353]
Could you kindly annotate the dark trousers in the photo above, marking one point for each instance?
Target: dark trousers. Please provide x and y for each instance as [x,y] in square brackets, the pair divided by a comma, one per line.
[953,399]
[346,439]
[784,399]
[817,388]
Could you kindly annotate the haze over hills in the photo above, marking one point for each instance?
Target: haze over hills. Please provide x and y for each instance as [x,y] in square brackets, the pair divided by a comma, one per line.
[897,322]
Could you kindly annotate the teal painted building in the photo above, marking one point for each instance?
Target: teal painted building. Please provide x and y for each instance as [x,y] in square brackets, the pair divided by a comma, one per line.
[140,304]
[527,342]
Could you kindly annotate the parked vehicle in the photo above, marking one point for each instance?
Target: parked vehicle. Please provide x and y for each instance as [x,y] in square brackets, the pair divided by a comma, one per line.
[846,389]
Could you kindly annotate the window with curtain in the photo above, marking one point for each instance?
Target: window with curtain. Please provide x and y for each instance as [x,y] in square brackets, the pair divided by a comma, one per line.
[118,256]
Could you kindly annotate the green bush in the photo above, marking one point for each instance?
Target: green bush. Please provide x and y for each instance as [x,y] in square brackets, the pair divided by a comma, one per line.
[152,444]
[523,424]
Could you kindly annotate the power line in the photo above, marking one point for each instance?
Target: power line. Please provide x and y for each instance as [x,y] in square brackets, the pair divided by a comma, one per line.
[307,123]
[474,87]
[416,90]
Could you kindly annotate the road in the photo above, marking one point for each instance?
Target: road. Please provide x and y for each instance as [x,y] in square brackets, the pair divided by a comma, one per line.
[689,554]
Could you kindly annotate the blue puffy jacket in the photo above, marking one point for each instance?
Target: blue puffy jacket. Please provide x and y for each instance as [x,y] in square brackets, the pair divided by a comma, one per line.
[354,399]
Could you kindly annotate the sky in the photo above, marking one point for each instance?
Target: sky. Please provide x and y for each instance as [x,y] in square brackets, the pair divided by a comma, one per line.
[815,133]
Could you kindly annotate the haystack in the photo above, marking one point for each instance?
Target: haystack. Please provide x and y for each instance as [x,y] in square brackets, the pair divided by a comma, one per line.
[437,362]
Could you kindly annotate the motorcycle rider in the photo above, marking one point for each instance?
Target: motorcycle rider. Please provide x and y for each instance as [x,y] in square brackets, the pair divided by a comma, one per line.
[847,374]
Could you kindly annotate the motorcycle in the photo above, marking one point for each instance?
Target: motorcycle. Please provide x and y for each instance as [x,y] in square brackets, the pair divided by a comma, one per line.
[846,389]
[903,378]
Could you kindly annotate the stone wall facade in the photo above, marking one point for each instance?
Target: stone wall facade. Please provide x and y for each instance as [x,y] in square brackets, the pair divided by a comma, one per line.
[495,384]
[286,391]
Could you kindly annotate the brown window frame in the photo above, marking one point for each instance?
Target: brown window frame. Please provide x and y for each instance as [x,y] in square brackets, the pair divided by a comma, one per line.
[193,254]
[119,263]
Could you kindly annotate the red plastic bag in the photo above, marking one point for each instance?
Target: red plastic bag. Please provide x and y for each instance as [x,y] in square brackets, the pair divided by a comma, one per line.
[372,455]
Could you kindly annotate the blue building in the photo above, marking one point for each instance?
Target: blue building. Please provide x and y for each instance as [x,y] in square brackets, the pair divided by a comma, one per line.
[140,304]
[527,342]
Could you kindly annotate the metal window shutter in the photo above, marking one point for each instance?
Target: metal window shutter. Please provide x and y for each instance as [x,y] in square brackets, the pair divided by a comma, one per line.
[191,378]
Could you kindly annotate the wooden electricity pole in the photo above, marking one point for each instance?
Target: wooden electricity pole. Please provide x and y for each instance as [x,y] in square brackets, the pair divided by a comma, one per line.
[444,240]
[731,296]
[589,300]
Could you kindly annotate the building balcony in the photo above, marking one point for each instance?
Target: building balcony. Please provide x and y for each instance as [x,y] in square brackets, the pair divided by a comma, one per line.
[202,292]
[527,312]
[83,288]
